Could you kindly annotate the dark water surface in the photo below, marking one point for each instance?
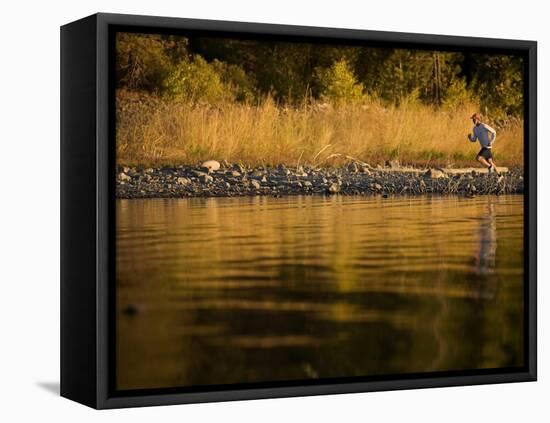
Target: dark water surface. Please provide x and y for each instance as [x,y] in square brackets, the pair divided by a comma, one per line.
[235,290]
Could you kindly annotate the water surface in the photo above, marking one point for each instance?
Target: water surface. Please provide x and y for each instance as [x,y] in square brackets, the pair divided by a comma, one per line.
[235,290]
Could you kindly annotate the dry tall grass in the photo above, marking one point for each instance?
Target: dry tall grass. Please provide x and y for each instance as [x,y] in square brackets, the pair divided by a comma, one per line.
[155,132]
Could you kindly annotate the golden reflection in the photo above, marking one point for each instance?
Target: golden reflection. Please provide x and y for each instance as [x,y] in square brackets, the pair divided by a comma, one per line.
[232,290]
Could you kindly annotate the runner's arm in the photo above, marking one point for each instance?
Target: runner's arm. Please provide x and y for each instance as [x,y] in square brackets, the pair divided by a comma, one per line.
[492,131]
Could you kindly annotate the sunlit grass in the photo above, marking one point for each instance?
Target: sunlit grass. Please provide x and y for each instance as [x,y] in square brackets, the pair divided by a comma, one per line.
[151,132]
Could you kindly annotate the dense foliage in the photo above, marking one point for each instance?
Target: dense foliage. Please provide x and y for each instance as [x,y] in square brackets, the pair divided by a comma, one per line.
[212,70]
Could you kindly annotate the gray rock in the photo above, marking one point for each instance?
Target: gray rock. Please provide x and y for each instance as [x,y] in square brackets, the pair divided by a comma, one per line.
[283,170]
[239,168]
[166,170]
[163,182]
[353,168]
[131,310]
[205,179]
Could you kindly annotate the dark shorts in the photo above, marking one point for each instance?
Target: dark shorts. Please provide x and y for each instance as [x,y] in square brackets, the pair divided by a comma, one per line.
[485,153]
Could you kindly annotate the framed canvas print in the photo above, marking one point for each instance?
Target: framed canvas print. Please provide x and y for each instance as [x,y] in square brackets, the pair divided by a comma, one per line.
[255,211]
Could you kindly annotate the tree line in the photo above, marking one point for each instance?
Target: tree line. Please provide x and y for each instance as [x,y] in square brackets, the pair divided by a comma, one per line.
[212,70]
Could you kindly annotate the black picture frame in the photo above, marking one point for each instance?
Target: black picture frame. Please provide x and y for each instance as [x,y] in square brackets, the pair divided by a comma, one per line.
[87,210]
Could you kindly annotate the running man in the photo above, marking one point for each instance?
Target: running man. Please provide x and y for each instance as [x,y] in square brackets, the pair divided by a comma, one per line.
[486,137]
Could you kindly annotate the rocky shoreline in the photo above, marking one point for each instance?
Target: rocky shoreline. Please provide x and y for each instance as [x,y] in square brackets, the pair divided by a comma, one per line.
[214,179]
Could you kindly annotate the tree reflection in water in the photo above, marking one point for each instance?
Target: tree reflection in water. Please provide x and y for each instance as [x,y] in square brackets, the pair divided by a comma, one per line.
[241,290]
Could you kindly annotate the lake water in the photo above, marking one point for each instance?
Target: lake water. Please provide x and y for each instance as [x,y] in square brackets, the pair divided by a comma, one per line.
[235,290]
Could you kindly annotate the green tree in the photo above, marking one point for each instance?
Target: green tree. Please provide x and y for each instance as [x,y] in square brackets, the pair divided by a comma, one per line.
[145,60]
[338,83]
[284,70]
[498,83]
[220,68]
[457,94]
[397,74]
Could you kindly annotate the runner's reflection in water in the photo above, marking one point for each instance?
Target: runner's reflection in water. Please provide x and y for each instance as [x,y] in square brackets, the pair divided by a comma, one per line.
[483,272]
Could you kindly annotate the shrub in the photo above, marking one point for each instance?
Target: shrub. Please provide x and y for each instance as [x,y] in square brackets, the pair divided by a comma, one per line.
[240,84]
[196,81]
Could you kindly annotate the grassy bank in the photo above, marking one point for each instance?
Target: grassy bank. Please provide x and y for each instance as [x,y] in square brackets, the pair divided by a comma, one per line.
[153,132]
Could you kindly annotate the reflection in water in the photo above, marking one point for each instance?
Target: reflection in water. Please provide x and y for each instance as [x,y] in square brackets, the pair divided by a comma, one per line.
[259,289]
[485,259]
[484,266]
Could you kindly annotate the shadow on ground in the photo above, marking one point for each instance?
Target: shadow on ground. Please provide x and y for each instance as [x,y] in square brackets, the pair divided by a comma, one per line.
[51,387]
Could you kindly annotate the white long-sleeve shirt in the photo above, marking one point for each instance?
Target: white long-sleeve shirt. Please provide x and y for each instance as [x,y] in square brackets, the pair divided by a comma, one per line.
[484,134]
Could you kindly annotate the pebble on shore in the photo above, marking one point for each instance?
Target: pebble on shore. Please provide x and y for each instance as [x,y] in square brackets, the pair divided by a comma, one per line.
[214,179]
